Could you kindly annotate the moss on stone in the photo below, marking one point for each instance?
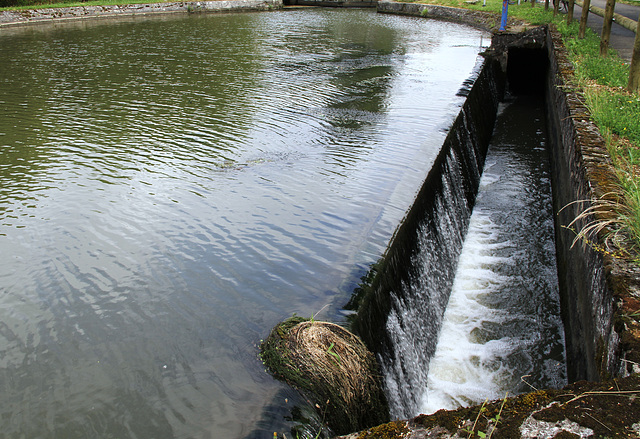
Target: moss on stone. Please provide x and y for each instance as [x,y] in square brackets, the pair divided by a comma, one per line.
[611,409]
[509,413]
[390,430]
[275,356]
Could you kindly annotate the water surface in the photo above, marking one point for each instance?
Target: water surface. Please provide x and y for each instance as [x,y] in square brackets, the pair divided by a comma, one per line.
[171,188]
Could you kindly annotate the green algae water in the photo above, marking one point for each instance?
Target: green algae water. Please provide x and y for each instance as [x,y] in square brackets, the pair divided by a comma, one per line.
[172,187]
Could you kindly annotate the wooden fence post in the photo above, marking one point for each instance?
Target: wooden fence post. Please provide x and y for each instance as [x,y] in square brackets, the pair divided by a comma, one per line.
[606,27]
[634,69]
[572,3]
[546,5]
[583,18]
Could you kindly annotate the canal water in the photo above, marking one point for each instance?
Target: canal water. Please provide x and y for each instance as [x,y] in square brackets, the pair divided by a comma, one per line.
[172,187]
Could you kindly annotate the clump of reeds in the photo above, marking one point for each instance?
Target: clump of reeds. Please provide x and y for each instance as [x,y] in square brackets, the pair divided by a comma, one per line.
[333,367]
[602,227]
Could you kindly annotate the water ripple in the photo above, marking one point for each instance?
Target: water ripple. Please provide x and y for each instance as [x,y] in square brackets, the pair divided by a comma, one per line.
[171,187]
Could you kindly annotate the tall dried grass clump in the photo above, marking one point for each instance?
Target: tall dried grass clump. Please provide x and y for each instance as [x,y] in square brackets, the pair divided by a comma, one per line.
[333,367]
[605,226]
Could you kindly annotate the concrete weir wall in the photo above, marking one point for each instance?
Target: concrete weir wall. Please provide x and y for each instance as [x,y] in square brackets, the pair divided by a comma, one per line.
[437,221]
[587,301]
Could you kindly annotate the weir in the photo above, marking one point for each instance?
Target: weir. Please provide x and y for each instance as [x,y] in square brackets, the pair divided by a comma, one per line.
[402,302]
[412,282]
[432,234]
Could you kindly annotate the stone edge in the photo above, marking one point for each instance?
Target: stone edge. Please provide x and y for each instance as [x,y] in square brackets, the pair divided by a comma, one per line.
[48,15]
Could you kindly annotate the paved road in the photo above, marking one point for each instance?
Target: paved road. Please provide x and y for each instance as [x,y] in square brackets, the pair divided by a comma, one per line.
[621,39]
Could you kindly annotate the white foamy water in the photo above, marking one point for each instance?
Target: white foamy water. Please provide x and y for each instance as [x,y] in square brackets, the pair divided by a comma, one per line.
[501,331]
[464,369]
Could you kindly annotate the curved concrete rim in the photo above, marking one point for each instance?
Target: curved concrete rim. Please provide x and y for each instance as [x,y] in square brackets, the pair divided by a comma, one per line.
[49,15]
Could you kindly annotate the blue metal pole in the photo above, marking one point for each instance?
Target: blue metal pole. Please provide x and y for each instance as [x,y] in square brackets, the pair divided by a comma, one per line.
[505,8]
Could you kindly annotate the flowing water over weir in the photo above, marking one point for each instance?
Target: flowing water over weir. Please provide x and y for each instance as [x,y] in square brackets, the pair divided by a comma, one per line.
[171,188]
[502,330]
[476,316]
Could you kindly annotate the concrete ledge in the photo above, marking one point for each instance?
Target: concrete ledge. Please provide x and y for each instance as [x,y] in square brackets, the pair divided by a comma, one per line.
[335,3]
[482,20]
[13,18]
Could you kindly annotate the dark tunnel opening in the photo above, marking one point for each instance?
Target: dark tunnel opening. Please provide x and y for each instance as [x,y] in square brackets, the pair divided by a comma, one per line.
[526,71]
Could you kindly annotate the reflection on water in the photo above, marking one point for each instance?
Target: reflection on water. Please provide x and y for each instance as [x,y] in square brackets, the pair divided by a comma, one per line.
[170,188]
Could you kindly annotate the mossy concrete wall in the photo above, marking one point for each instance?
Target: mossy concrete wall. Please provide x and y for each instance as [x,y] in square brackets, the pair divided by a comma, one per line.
[600,290]
[587,302]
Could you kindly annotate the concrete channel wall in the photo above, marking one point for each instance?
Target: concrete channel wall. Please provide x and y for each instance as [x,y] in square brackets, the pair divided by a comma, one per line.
[601,289]
[587,302]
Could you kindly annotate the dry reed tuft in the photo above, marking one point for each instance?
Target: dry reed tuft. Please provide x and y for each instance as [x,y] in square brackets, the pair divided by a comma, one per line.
[606,218]
[333,367]
[333,356]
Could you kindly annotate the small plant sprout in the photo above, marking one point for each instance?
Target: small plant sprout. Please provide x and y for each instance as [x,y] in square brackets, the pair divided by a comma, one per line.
[473,427]
[496,419]
[330,352]
[493,422]
[313,315]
